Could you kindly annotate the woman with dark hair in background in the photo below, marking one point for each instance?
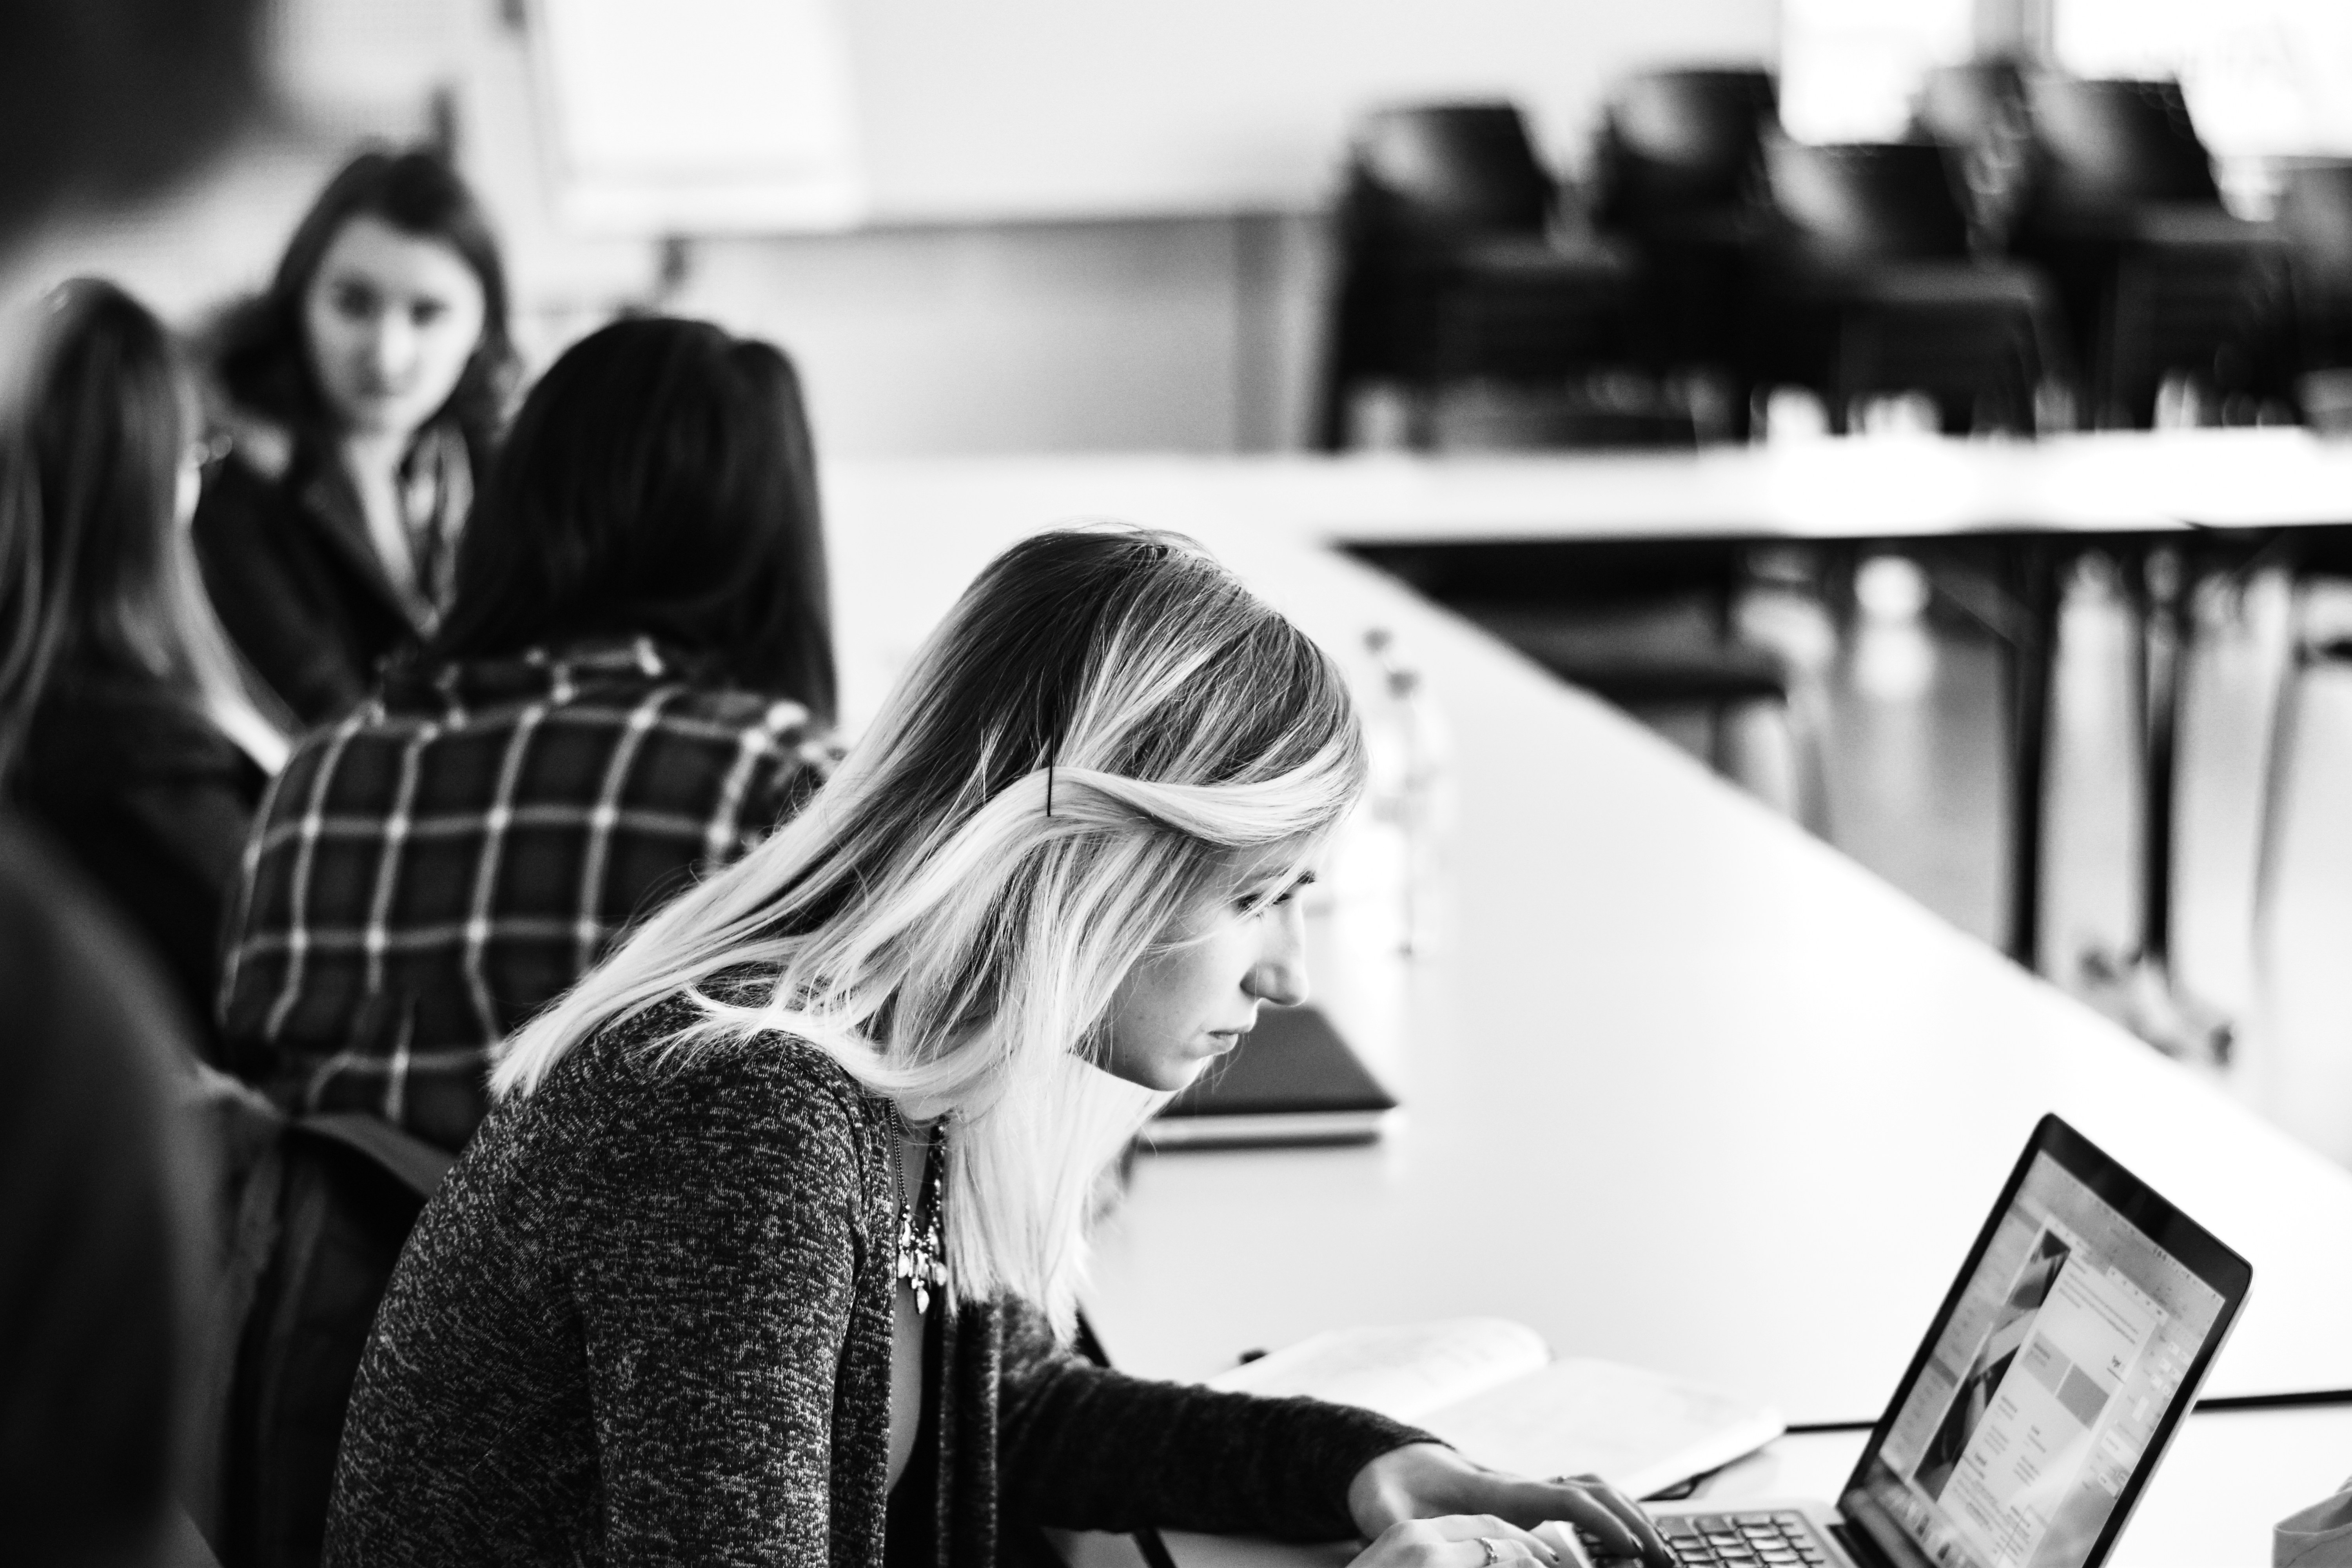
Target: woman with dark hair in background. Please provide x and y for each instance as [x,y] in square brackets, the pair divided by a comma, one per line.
[124,727]
[363,393]
[631,686]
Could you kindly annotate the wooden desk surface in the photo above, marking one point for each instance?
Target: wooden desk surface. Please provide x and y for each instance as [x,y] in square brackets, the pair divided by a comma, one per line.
[1686,1087]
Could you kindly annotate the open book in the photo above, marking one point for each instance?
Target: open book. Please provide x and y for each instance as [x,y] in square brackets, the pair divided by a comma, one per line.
[1490,1387]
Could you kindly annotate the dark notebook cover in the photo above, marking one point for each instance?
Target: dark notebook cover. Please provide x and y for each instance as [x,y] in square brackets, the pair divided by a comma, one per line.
[1291,1080]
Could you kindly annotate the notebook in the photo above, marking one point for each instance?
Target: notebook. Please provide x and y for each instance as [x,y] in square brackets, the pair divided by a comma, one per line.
[1490,1387]
[1291,1081]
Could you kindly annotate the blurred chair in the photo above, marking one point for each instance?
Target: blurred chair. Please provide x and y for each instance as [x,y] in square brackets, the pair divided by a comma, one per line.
[1871,289]
[2156,277]
[1647,625]
[2315,225]
[1451,269]
[1678,173]
[1976,113]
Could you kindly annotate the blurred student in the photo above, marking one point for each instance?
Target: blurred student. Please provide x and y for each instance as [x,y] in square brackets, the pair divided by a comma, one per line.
[106,101]
[631,687]
[362,393]
[124,729]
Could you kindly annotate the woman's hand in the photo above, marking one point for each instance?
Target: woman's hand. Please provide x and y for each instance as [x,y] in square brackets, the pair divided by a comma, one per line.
[1456,1541]
[1423,1481]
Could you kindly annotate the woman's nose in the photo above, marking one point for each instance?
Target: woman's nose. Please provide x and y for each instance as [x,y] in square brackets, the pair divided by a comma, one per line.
[393,345]
[1280,974]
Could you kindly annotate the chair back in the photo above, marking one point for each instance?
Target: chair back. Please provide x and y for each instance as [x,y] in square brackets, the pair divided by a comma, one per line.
[2104,146]
[1434,172]
[2315,217]
[1966,105]
[1870,202]
[320,1208]
[1675,142]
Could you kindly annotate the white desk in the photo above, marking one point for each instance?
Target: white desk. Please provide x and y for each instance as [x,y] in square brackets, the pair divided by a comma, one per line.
[1687,1088]
[2227,1479]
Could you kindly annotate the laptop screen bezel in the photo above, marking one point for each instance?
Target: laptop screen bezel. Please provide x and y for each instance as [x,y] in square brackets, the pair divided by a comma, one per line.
[2190,1243]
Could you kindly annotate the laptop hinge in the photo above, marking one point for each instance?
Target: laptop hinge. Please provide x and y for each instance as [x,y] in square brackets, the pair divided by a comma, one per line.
[1860,1547]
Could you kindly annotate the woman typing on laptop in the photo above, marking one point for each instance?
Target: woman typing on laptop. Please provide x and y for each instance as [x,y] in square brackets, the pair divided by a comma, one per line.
[768,1250]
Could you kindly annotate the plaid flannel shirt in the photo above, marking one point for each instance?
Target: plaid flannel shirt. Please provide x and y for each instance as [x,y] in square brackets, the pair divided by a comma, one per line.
[430,871]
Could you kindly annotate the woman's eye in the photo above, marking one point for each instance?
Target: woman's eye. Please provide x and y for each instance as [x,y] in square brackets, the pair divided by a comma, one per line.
[355,303]
[425,315]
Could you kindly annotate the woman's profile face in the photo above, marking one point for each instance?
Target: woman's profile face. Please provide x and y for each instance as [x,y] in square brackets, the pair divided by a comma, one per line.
[392,319]
[1183,1007]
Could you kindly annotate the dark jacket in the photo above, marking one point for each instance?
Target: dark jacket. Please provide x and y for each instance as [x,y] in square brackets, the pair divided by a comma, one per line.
[295,579]
[103,1262]
[647,1320]
[153,802]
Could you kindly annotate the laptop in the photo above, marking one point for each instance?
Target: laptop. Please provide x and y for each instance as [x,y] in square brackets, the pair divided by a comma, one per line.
[2048,1387]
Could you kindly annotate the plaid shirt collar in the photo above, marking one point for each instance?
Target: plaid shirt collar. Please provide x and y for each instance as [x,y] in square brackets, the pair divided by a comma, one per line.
[558,670]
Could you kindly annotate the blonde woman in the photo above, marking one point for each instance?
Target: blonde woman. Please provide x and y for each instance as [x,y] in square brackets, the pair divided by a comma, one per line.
[769,1249]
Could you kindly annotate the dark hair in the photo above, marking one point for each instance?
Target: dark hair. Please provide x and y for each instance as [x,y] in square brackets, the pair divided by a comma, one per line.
[95,569]
[107,100]
[261,352]
[659,480]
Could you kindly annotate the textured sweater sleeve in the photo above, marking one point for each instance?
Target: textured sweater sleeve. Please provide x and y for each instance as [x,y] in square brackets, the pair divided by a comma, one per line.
[715,1286]
[1083,1448]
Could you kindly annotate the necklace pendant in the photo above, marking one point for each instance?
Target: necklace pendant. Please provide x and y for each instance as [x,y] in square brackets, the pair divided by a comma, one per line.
[922,1297]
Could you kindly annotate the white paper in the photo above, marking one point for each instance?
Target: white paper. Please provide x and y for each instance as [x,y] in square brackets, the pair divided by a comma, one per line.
[1404,1371]
[1484,1385]
[1639,1430]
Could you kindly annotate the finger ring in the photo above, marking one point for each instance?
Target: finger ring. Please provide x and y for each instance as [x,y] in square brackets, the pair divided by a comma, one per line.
[1494,1550]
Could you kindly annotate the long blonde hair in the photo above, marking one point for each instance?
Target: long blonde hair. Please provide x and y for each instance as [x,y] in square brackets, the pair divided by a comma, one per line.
[1108,729]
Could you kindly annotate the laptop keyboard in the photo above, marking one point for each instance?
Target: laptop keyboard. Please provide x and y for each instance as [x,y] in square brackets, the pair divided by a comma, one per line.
[1779,1540]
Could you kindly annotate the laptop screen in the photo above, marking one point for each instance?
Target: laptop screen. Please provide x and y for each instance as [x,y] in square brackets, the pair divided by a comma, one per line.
[2073,1340]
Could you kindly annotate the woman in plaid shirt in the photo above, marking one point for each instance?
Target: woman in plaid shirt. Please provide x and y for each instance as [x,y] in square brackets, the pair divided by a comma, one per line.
[633,686]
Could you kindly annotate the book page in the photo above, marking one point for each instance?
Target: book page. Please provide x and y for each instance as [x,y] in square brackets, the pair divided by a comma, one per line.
[1642,1431]
[1404,1371]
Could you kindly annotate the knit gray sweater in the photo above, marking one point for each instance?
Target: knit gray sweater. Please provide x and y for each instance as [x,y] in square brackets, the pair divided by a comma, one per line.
[646,1319]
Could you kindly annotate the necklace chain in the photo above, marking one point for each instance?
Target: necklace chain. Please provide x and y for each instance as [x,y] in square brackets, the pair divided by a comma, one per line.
[921,1259]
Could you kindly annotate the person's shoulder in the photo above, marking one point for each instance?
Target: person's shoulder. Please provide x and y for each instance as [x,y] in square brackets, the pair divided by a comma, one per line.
[247,493]
[354,764]
[114,729]
[673,1069]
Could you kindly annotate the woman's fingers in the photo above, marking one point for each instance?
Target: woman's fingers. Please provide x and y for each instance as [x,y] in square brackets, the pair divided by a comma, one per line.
[1457,1540]
[1510,1540]
[1629,1515]
[1580,1508]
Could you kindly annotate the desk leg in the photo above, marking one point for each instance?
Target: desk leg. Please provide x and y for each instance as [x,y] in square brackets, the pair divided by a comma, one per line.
[2034,565]
[2137,988]
[2160,649]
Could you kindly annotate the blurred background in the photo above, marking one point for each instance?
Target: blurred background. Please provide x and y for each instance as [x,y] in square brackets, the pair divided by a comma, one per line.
[1019,227]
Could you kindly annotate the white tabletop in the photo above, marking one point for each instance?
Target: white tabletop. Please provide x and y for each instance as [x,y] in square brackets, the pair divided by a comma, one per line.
[1891,487]
[2226,1480]
[1686,1087]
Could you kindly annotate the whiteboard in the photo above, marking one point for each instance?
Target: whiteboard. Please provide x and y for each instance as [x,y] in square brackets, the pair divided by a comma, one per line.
[697,116]
[981,111]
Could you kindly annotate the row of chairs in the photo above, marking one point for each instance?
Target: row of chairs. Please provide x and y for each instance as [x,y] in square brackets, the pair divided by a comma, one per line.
[2040,230]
